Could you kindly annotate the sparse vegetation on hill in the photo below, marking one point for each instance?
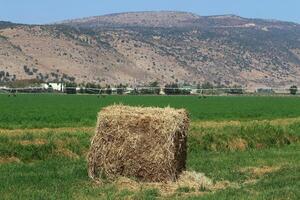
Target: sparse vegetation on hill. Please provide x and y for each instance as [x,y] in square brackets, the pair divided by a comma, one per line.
[137,48]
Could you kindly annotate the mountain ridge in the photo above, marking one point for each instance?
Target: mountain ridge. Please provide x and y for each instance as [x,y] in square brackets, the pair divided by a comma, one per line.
[138,48]
[170,11]
[142,16]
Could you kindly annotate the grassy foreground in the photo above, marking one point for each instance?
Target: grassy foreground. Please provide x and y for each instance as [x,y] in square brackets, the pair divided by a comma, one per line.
[257,157]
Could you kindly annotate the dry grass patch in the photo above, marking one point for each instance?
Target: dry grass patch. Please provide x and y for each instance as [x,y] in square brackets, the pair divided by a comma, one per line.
[221,185]
[62,149]
[33,142]
[221,124]
[4,160]
[41,131]
[197,183]
[257,173]
[188,184]
[237,144]
[260,171]
[66,153]
[214,124]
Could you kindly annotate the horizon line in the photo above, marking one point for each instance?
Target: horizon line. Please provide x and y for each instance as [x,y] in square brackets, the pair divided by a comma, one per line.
[154,11]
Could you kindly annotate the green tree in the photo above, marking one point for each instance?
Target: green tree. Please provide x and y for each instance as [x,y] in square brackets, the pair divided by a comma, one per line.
[207,85]
[293,90]
[172,89]
[154,84]
[121,89]
[236,89]
[92,88]
[71,88]
[155,89]
[108,90]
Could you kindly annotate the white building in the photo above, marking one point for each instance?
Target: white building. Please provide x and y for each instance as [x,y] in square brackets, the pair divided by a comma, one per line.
[55,86]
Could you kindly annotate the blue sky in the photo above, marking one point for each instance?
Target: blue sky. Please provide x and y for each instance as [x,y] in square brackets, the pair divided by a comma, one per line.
[47,11]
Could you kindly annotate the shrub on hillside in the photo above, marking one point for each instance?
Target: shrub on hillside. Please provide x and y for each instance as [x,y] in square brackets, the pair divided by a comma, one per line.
[173,89]
[71,88]
[293,90]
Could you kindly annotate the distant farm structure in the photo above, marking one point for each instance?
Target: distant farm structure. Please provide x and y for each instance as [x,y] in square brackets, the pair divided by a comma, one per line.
[64,88]
[55,86]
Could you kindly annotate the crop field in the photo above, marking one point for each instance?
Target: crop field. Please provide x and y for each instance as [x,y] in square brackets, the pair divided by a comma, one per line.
[248,146]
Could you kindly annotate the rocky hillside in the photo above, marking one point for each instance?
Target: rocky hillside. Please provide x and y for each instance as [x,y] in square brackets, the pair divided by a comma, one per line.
[138,48]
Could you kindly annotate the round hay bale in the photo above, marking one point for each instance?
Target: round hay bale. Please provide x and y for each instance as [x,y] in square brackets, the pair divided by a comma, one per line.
[148,144]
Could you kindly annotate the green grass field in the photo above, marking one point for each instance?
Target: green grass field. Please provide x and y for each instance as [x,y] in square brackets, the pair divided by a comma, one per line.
[250,144]
[37,111]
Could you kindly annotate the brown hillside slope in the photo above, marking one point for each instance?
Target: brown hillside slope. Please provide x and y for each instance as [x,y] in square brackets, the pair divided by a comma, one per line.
[138,48]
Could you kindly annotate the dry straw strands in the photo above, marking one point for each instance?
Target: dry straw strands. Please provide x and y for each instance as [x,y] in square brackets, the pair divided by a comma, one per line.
[196,182]
[148,144]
